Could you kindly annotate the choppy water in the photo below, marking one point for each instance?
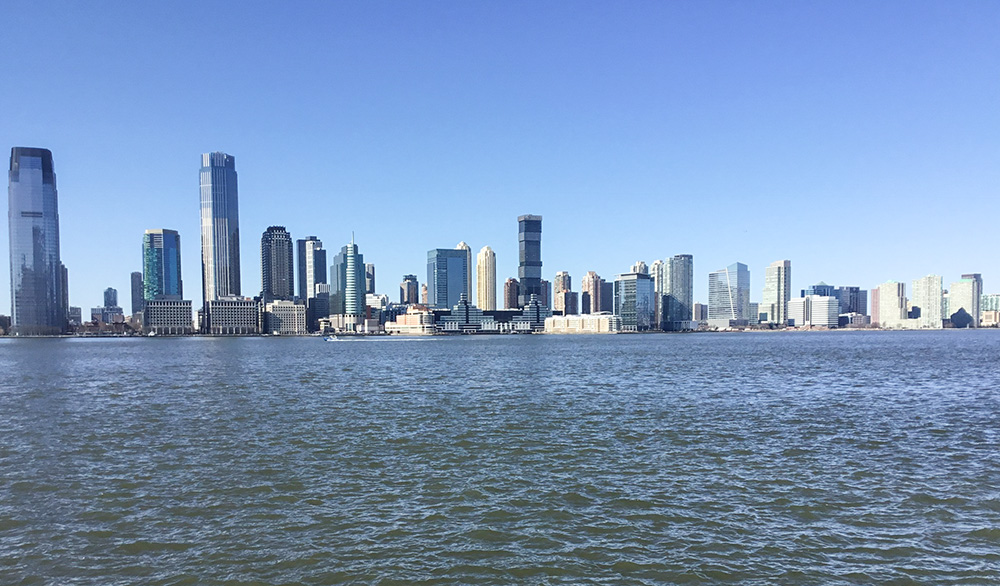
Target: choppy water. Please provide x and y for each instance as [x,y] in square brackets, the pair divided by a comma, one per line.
[824,458]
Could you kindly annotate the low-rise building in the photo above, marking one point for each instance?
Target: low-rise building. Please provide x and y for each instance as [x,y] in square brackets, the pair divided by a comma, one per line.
[593,323]
[234,316]
[285,318]
[417,321]
[167,317]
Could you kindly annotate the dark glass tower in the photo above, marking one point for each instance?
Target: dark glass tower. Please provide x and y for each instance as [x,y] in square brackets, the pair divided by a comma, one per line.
[529,270]
[447,276]
[276,267]
[347,289]
[38,279]
[220,227]
[138,296]
[161,265]
[311,266]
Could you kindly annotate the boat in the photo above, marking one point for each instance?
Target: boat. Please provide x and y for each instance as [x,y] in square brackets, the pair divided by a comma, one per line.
[331,339]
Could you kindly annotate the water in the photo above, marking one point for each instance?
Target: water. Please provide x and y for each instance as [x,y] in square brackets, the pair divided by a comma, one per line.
[834,458]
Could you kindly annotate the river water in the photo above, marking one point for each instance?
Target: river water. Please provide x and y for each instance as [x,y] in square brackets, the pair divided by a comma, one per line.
[788,458]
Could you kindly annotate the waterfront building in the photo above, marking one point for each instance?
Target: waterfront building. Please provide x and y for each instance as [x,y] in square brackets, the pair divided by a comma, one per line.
[277,267]
[220,227]
[989,302]
[778,291]
[529,269]
[486,279]
[285,318]
[889,304]
[633,295]
[928,298]
[510,297]
[594,323]
[38,279]
[447,274]
[754,317]
[590,296]
[169,317]
[233,316]
[317,306]
[369,278]
[964,298]
[798,311]
[311,266]
[699,312]
[545,297]
[138,296]
[347,292]
[409,290]
[161,265]
[110,312]
[678,277]
[729,296]
[533,316]
[607,297]
[464,317]
[814,311]
[75,316]
[852,300]
[417,321]
[468,268]
[568,303]
[562,284]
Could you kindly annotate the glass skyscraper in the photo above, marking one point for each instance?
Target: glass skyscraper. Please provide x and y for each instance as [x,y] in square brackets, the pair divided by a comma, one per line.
[38,279]
[220,227]
[679,287]
[729,293]
[347,291]
[529,269]
[161,265]
[277,270]
[634,303]
[447,277]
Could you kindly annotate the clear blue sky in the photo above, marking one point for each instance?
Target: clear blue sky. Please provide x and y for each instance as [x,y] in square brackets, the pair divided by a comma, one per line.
[861,140]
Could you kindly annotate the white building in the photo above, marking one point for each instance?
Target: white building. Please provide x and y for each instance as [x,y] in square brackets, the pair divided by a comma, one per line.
[928,296]
[417,321]
[285,318]
[777,291]
[167,317]
[814,311]
[233,316]
[889,305]
[486,279]
[966,295]
[594,323]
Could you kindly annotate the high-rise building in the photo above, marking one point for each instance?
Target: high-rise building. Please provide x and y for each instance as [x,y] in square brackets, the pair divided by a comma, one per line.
[852,300]
[111,297]
[678,275]
[634,301]
[423,294]
[561,284]
[138,299]
[447,276]
[965,297]
[510,296]
[607,296]
[529,269]
[38,280]
[640,267]
[161,265]
[658,272]
[486,279]
[276,265]
[468,268]
[369,278]
[928,295]
[409,290]
[546,294]
[778,291]
[729,293]
[220,227]
[347,292]
[590,293]
[889,304]
[311,266]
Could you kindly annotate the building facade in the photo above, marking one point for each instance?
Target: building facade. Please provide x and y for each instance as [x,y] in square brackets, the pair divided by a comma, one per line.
[38,279]
[234,316]
[311,265]
[964,298]
[277,268]
[138,295]
[678,302]
[486,279]
[777,291]
[633,295]
[161,265]
[510,296]
[170,317]
[409,290]
[285,318]
[469,291]
[447,276]
[220,227]
[590,293]
[529,268]
[928,296]
[889,304]
[729,295]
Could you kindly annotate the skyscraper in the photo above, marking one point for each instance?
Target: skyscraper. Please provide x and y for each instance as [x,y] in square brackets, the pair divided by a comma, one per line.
[447,276]
[111,297]
[561,284]
[277,268]
[777,291]
[965,296]
[220,227]
[590,293]
[634,301]
[468,268]
[729,294]
[409,291]
[138,296]
[369,278]
[889,304]
[347,291]
[679,287]
[928,296]
[161,265]
[529,270]
[311,265]
[38,280]
[486,279]
[657,271]
[510,297]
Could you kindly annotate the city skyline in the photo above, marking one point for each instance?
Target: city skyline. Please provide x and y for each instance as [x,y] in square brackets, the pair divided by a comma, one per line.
[769,108]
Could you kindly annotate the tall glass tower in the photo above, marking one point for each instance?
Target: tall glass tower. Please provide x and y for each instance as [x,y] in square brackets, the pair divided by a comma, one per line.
[39,290]
[161,265]
[679,290]
[277,270]
[447,276]
[529,270]
[347,291]
[220,227]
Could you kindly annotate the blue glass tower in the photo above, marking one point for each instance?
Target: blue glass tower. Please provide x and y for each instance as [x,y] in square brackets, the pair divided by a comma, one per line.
[220,227]
[161,265]
[38,279]
[447,276]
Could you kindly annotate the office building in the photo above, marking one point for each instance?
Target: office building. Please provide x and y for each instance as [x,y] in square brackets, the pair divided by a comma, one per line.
[964,298]
[529,269]
[311,266]
[633,299]
[409,290]
[852,300]
[447,276]
[678,292]
[38,280]
[161,265]
[700,312]
[889,304]
[562,284]
[285,318]
[168,317]
[510,294]
[233,316]
[75,316]
[138,295]
[277,267]
[607,296]
[590,293]
[928,299]
[468,269]
[369,278]
[220,227]
[583,324]
[814,311]
[777,292]
[533,316]
[820,288]
[486,279]
[111,297]
[347,291]
[729,296]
